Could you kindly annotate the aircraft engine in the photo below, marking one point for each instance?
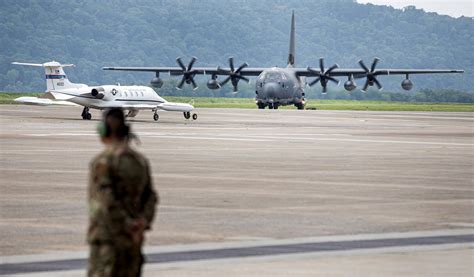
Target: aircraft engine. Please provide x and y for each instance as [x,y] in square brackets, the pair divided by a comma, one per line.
[350,85]
[233,75]
[323,76]
[98,92]
[156,82]
[213,84]
[188,73]
[407,84]
[371,74]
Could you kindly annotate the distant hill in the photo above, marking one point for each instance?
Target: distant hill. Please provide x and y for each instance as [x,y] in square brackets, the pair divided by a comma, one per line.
[92,34]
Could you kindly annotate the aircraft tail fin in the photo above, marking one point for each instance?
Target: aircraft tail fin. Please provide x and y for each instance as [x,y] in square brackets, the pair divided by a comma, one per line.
[291,55]
[56,78]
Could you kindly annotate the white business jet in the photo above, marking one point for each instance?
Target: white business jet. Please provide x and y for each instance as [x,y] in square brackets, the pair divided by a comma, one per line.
[60,91]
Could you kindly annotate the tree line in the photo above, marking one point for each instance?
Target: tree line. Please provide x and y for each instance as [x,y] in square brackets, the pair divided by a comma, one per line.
[93,34]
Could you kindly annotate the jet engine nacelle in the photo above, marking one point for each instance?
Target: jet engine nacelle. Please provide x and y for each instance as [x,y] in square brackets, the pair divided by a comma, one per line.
[213,84]
[156,82]
[407,84]
[98,93]
[349,85]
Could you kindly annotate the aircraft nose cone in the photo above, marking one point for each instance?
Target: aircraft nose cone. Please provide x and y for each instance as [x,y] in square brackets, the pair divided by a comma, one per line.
[270,90]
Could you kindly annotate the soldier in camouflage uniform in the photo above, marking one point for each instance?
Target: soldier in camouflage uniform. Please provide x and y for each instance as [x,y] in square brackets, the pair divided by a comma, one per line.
[121,202]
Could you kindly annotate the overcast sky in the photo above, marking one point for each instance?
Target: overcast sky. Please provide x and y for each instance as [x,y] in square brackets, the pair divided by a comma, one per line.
[455,8]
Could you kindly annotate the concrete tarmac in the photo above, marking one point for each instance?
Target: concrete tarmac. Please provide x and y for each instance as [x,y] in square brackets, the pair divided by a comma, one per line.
[244,175]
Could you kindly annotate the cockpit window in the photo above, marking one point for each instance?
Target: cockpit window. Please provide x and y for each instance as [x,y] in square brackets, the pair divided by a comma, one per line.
[273,76]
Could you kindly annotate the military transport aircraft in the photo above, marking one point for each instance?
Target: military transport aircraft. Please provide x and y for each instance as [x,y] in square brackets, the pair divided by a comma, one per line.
[60,91]
[283,86]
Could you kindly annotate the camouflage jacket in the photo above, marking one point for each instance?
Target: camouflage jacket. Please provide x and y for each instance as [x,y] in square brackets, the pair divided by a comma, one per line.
[120,191]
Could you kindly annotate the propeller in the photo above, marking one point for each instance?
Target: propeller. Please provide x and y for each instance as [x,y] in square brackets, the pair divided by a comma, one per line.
[187,72]
[323,75]
[234,75]
[370,74]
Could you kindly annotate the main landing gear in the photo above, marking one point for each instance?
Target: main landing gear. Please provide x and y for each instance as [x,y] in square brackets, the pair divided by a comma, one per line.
[299,106]
[187,115]
[271,106]
[86,115]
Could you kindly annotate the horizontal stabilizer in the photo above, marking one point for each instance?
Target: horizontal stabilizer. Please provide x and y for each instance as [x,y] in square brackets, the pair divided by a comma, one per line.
[42,101]
[48,64]
[30,64]
[56,78]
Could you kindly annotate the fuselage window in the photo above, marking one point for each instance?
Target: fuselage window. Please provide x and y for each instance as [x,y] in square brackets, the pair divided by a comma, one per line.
[142,93]
[126,94]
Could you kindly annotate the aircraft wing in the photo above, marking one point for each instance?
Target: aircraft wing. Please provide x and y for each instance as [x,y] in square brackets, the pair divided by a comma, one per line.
[360,73]
[137,106]
[363,71]
[255,71]
[246,71]
[189,72]
[171,70]
[195,70]
[323,75]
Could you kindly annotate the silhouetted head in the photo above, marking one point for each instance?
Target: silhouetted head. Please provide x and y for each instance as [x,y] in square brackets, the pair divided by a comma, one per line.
[113,125]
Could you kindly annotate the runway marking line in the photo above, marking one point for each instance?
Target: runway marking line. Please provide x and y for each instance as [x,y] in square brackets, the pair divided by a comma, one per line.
[266,138]
[250,250]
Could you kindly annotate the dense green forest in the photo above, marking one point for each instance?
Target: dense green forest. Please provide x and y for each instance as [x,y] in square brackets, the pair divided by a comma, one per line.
[93,34]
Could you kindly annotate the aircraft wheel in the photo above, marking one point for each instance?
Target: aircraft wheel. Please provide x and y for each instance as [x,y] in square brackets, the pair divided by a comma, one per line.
[195,116]
[275,106]
[86,115]
[187,115]
[270,106]
[261,106]
[156,117]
